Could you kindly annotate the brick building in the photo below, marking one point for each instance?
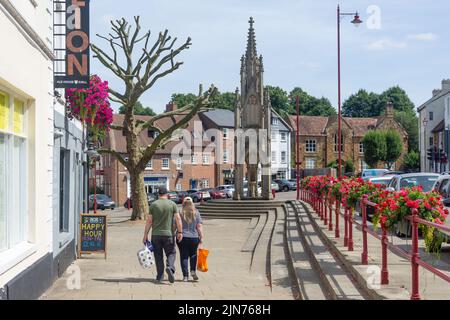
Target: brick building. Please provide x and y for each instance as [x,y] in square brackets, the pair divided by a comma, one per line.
[175,172]
[319,139]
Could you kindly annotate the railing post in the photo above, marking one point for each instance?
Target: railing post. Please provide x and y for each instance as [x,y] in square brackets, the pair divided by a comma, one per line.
[325,213]
[350,229]
[320,208]
[345,227]
[336,228]
[384,267]
[330,221]
[415,256]
[364,254]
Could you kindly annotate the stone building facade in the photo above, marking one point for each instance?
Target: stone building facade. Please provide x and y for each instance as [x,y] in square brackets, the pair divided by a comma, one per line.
[319,139]
[176,173]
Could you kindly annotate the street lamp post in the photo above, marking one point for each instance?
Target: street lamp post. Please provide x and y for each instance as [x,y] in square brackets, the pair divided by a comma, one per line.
[95,156]
[425,123]
[356,22]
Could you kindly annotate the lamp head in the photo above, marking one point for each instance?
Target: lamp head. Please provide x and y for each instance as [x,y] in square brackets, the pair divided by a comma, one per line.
[356,20]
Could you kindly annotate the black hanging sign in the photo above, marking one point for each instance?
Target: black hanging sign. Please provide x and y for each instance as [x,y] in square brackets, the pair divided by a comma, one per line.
[76,57]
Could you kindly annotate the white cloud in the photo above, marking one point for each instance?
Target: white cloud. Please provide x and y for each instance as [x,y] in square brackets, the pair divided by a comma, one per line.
[386,44]
[423,36]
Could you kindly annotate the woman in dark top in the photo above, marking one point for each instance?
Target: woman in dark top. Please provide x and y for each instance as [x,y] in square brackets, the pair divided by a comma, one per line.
[192,238]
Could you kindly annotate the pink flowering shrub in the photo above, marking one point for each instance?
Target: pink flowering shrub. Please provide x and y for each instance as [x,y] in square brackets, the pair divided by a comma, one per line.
[91,106]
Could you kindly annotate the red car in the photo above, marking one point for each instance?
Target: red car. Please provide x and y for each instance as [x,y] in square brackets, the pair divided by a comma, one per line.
[216,194]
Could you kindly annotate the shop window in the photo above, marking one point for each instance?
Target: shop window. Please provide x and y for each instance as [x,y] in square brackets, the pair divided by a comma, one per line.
[13,174]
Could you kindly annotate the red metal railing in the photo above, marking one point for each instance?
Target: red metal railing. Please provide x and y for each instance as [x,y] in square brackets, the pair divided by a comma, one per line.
[321,204]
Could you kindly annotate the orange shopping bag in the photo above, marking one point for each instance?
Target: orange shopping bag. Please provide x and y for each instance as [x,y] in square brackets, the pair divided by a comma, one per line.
[202,264]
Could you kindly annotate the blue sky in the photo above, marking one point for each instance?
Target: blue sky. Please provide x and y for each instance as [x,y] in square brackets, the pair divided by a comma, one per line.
[297,38]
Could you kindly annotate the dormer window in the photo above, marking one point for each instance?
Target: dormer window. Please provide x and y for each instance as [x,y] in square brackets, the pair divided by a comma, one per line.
[274,121]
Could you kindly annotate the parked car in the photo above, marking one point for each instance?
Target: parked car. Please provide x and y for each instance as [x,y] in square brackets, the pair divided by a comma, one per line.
[370,173]
[442,186]
[228,189]
[196,195]
[174,197]
[286,185]
[215,193]
[245,188]
[151,197]
[398,182]
[393,173]
[275,186]
[103,202]
[182,195]
[383,180]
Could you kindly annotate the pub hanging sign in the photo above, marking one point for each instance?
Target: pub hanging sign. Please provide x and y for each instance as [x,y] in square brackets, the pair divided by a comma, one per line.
[75,61]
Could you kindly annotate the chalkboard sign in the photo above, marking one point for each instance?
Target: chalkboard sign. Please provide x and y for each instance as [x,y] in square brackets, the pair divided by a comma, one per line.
[92,234]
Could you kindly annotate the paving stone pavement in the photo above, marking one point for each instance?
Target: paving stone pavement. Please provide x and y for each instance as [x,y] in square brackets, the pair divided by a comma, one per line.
[121,277]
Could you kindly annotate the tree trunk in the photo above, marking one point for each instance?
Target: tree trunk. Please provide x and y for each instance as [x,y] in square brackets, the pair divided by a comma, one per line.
[138,195]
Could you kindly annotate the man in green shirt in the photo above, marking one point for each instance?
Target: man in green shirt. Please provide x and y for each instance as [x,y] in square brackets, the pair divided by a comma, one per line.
[161,215]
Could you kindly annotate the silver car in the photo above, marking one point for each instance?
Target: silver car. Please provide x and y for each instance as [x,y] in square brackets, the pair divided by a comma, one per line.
[228,189]
[410,180]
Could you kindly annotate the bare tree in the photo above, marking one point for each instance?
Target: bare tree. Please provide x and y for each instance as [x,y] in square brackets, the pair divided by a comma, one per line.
[154,62]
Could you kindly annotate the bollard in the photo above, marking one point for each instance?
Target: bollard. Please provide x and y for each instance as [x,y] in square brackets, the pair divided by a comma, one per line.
[325,213]
[415,256]
[201,198]
[345,227]
[129,204]
[336,227]
[364,254]
[320,208]
[350,230]
[384,245]
[274,194]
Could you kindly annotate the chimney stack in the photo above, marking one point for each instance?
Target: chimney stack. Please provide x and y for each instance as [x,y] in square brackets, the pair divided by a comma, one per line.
[171,107]
[446,84]
[390,110]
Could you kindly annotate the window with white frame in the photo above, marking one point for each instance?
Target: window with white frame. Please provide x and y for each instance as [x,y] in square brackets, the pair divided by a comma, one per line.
[281,175]
[274,121]
[310,163]
[179,163]
[205,183]
[311,145]
[274,135]
[274,156]
[336,143]
[226,156]
[165,164]
[13,172]
[361,147]
[178,187]
[149,165]
[205,158]
[226,133]
[193,159]
[283,136]
[283,157]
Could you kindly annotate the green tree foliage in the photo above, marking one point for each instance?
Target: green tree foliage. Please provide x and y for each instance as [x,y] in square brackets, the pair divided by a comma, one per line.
[139,109]
[182,99]
[394,147]
[409,121]
[279,100]
[226,100]
[361,104]
[369,104]
[349,166]
[309,105]
[374,147]
[411,162]
[398,97]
